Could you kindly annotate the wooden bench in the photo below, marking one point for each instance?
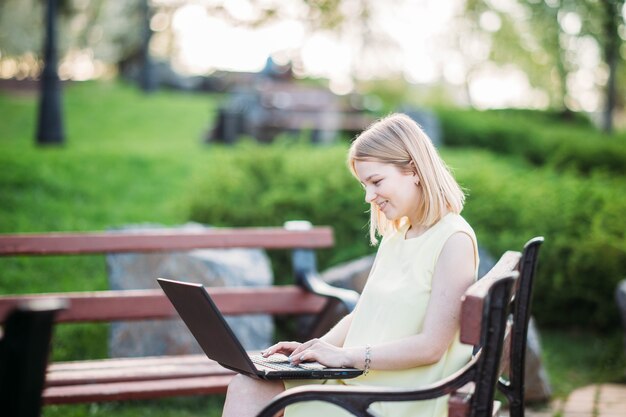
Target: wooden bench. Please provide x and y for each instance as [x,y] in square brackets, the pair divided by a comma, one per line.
[494,318]
[276,107]
[154,377]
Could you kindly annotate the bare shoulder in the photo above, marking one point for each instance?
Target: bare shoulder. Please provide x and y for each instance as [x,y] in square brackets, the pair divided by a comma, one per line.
[459,243]
[457,257]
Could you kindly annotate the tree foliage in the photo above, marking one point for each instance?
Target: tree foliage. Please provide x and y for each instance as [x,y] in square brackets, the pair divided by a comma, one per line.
[548,39]
[113,32]
[105,30]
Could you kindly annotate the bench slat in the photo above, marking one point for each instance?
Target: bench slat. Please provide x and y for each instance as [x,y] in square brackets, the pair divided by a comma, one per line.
[125,371]
[93,364]
[163,241]
[153,304]
[136,390]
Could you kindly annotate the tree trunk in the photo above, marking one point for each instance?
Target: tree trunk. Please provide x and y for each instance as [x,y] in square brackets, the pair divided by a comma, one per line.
[610,93]
[50,129]
[611,13]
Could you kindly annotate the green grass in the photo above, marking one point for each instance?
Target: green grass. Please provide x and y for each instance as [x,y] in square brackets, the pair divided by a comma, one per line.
[574,359]
[132,158]
[168,407]
[127,158]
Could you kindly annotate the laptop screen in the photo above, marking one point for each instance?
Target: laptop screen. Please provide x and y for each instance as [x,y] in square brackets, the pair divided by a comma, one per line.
[207,324]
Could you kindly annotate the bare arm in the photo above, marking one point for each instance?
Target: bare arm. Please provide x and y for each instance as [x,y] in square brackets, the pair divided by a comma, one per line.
[453,274]
[337,335]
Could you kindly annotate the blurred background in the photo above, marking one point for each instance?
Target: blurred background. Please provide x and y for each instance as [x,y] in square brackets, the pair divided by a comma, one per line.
[240,113]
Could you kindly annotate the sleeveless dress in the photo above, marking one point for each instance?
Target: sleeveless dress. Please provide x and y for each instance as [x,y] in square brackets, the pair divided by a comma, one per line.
[392,306]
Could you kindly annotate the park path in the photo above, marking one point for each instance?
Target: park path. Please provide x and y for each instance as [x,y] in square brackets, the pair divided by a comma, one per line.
[599,400]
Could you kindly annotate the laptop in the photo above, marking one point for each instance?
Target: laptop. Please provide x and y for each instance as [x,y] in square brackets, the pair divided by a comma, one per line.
[207,325]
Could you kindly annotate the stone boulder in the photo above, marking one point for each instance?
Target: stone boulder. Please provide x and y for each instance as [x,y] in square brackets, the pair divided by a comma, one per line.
[351,275]
[211,267]
[486,261]
[537,383]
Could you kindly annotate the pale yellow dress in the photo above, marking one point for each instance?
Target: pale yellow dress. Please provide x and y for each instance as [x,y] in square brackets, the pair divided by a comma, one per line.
[392,306]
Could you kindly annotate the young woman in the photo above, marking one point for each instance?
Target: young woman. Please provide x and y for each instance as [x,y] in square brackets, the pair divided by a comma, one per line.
[404,330]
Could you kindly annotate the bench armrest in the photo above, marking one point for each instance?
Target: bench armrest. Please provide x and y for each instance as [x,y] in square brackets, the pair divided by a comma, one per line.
[357,399]
[312,282]
[305,270]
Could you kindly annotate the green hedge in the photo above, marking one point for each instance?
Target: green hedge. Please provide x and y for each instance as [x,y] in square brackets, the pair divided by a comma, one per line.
[543,138]
[581,218]
[584,255]
[252,185]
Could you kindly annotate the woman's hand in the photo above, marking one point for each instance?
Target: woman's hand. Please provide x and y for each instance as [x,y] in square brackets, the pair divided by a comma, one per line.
[282,347]
[327,354]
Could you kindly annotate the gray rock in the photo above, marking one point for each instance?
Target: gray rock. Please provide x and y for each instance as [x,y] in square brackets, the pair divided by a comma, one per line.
[351,275]
[537,383]
[211,267]
[487,261]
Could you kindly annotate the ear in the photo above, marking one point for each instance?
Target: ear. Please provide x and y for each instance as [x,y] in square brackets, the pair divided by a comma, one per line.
[414,172]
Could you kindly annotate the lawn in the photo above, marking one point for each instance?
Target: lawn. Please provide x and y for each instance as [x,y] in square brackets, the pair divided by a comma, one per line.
[127,159]
[132,158]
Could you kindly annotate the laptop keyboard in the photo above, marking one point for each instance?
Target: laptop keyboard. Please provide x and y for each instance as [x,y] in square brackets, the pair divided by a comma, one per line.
[281,363]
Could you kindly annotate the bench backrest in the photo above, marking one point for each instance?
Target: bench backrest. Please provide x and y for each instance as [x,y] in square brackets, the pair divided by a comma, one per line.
[152,304]
[513,360]
[163,241]
[513,387]
[485,311]
[130,305]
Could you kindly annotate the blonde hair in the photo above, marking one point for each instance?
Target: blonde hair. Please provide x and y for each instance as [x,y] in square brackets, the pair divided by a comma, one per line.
[398,140]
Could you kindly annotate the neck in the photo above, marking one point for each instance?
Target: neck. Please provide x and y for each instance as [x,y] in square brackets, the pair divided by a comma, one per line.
[416,229]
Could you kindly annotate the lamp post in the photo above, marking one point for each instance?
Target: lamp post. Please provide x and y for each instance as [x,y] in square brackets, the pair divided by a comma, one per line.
[50,123]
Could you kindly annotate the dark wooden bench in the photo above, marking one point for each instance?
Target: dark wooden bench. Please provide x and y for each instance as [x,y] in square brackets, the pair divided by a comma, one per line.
[154,377]
[494,318]
[276,107]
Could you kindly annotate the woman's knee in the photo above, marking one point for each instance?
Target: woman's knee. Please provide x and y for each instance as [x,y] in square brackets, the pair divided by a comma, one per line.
[244,385]
[239,383]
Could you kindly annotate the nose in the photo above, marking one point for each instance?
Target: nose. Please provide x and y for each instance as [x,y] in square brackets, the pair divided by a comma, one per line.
[370,195]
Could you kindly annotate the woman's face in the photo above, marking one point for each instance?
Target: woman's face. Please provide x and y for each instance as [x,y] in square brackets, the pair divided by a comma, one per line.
[394,191]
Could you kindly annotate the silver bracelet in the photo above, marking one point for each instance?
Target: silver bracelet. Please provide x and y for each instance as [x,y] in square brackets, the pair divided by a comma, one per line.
[368,359]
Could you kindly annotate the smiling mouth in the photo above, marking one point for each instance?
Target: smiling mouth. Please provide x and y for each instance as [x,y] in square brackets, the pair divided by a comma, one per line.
[382,205]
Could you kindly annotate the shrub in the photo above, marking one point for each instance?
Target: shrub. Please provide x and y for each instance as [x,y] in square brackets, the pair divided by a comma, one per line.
[581,218]
[584,255]
[255,185]
[542,138]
